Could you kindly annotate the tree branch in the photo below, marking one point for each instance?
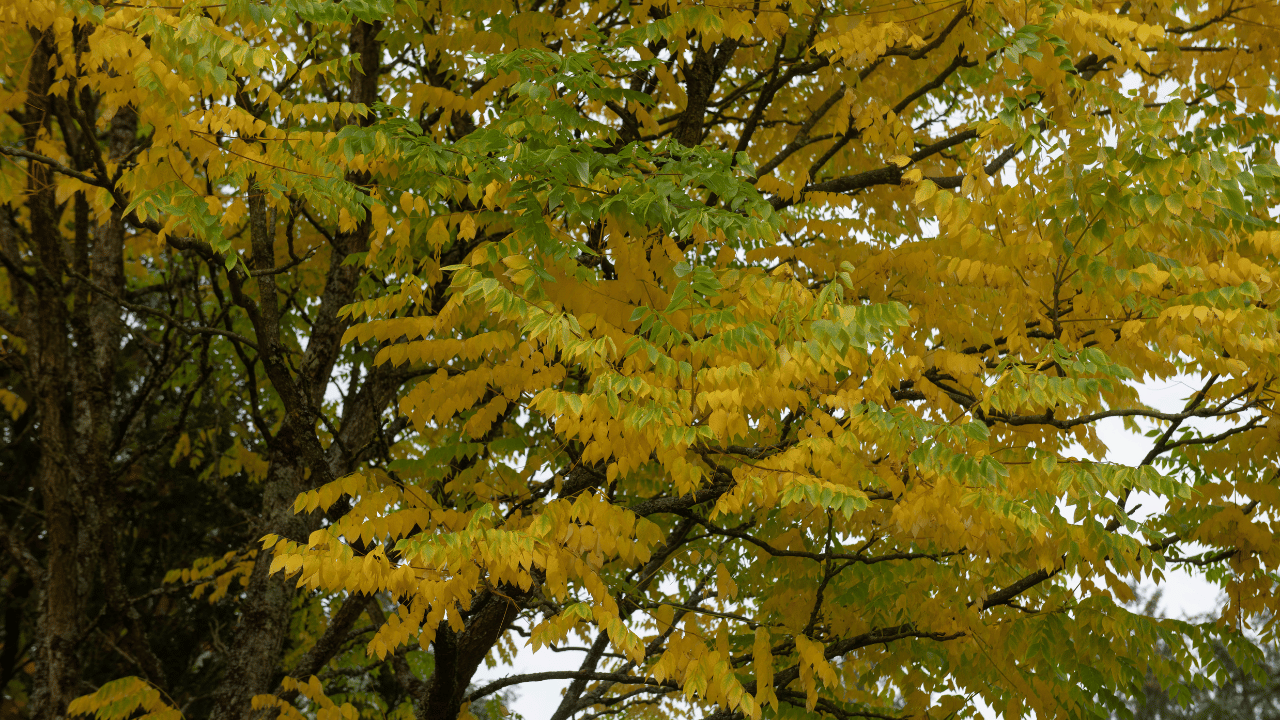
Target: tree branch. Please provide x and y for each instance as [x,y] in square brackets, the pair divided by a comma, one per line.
[619,678]
[173,322]
[55,166]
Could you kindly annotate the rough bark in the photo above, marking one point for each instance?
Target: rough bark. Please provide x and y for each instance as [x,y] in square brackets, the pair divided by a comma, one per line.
[297,459]
[458,654]
[72,366]
[45,323]
[700,78]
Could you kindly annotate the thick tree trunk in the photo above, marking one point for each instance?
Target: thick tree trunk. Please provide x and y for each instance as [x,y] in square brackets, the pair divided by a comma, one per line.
[45,325]
[700,78]
[72,323]
[458,655]
[297,459]
[257,646]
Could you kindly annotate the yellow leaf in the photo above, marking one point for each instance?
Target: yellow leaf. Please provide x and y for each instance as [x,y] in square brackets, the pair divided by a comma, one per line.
[719,424]
[725,586]
[1131,328]
[925,191]
[467,228]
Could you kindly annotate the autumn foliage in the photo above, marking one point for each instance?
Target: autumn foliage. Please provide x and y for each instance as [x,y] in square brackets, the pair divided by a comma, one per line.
[755,354]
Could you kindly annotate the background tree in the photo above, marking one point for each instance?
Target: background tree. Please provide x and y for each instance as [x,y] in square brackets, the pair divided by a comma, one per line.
[1233,692]
[746,351]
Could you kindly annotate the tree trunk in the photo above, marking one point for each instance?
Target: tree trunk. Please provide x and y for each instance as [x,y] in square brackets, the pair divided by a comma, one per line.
[45,326]
[298,462]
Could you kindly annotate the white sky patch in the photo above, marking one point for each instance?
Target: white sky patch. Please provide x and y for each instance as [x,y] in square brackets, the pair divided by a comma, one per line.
[1184,594]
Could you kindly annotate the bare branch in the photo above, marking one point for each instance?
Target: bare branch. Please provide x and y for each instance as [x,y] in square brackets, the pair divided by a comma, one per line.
[619,678]
[173,322]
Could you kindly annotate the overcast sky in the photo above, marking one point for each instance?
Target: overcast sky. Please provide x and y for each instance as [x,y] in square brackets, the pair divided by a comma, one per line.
[1183,594]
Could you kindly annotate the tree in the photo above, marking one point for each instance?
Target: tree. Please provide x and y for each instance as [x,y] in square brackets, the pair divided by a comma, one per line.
[1240,691]
[743,349]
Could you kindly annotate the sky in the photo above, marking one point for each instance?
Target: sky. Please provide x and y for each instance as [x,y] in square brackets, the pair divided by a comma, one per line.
[1183,594]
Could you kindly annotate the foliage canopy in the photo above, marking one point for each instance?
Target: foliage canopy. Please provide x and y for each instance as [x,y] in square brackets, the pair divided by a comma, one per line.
[757,353]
